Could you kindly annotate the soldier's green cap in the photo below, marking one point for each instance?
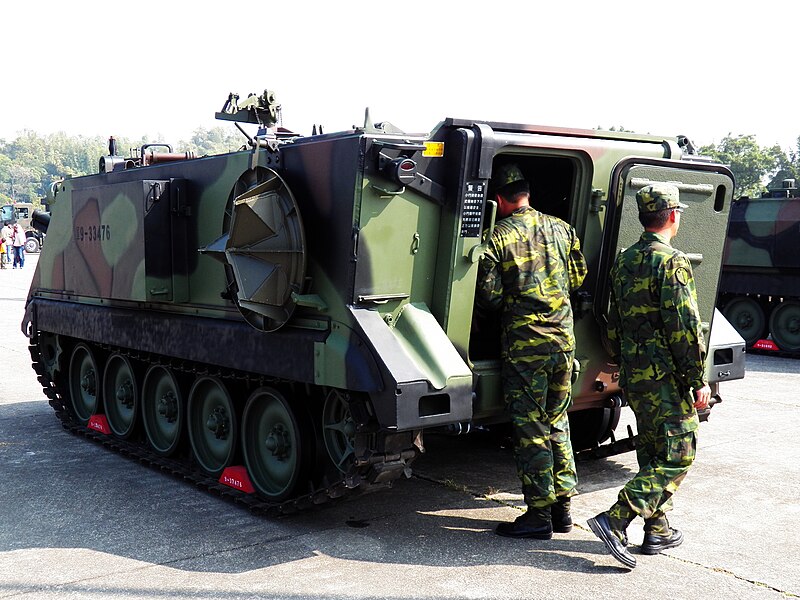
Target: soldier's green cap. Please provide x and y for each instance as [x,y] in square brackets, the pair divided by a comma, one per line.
[658,196]
[505,174]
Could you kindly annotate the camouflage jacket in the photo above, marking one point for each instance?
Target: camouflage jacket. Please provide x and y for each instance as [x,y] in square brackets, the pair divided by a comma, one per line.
[653,323]
[532,263]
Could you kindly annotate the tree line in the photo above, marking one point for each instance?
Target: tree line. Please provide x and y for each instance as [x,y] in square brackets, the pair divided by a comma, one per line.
[30,163]
[756,168]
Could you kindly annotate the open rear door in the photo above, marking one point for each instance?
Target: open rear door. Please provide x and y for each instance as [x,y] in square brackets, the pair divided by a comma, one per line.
[706,188]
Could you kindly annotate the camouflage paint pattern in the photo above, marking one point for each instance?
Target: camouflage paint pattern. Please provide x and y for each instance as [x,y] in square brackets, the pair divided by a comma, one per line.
[655,331]
[760,280]
[658,196]
[538,393]
[388,293]
[654,325]
[532,264]
[665,451]
[507,173]
[763,233]
[119,238]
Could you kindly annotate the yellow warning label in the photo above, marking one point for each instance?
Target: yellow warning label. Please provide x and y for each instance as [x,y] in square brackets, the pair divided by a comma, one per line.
[435,149]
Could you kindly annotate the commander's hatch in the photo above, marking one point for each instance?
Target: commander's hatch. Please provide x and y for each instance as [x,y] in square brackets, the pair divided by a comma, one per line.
[706,188]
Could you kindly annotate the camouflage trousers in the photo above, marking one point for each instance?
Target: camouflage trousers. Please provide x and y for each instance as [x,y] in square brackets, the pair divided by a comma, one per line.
[666,446]
[538,392]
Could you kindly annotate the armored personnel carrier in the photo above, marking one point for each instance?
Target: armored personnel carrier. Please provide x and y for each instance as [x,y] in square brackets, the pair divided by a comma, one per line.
[291,320]
[760,281]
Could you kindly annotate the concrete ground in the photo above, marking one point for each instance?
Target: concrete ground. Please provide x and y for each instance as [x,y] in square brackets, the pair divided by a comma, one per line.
[78,521]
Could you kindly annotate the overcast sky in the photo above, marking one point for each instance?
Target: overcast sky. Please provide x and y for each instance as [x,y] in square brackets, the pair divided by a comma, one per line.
[701,68]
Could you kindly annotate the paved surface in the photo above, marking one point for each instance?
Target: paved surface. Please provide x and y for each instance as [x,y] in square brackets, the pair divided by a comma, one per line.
[78,521]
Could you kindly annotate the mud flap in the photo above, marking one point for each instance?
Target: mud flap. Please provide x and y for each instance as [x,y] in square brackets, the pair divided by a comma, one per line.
[427,381]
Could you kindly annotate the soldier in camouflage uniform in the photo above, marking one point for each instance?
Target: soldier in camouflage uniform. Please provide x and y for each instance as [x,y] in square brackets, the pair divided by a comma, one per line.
[532,264]
[655,332]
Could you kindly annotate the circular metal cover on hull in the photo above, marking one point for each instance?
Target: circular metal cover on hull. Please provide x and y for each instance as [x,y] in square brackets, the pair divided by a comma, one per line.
[266,250]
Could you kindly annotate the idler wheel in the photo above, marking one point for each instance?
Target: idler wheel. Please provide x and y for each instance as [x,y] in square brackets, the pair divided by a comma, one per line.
[50,352]
[338,430]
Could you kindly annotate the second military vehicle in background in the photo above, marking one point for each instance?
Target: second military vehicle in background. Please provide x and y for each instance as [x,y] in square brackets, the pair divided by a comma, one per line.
[22,213]
[760,281]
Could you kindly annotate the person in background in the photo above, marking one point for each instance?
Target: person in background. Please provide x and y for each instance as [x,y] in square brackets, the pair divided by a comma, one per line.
[18,242]
[6,233]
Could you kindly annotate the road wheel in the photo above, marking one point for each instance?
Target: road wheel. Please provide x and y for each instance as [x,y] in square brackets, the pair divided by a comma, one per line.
[121,396]
[84,383]
[784,324]
[747,316]
[163,409]
[275,444]
[212,424]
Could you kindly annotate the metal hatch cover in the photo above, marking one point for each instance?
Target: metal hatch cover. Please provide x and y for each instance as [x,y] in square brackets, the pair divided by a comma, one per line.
[266,250]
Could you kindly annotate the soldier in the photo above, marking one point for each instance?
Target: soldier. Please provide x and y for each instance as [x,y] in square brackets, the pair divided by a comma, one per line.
[654,331]
[532,264]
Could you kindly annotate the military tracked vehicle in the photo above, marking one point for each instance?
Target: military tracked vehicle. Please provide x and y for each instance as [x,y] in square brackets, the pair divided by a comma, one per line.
[22,213]
[293,319]
[760,281]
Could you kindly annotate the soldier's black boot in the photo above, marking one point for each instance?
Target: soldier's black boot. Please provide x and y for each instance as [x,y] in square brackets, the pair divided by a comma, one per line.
[535,523]
[560,515]
[612,533]
[658,535]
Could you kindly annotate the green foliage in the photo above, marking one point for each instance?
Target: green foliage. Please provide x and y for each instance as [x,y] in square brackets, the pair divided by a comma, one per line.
[213,141]
[788,168]
[754,167]
[30,163]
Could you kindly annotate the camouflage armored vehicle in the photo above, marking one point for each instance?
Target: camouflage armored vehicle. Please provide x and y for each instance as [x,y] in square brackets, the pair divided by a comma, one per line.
[22,213]
[760,281]
[292,320]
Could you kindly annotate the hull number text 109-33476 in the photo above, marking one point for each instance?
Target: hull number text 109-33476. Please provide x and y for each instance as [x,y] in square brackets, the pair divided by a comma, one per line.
[92,233]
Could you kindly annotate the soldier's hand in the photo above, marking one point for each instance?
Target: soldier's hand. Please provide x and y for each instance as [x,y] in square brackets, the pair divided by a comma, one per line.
[702,397]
